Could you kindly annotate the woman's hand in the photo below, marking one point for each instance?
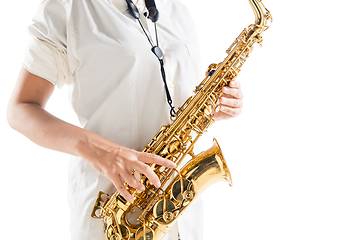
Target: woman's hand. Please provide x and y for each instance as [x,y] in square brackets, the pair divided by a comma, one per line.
[231,101]
[117,163]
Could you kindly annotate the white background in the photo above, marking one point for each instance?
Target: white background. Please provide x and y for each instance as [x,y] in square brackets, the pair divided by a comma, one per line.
[293,153]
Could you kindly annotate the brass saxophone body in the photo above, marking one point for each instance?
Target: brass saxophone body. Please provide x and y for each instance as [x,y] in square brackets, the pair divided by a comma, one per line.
[154,210]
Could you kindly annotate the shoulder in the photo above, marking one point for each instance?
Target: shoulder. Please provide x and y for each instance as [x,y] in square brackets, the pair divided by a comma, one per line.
[50,22]
[52,13]
[54,8]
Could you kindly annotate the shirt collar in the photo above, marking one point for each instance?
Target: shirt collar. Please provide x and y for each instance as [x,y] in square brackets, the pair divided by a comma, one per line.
[122,6]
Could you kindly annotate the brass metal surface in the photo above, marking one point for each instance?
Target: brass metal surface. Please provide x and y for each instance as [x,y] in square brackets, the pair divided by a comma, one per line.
[154,210]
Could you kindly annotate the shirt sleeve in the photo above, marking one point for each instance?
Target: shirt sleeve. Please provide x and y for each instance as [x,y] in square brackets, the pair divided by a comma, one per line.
[46,52]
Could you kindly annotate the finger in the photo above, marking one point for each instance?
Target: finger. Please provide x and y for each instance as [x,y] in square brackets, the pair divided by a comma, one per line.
[235,84]
[119,184]
[231,102]
[149,173]
[131,181]
[230,111]
[234,92]
[153,158]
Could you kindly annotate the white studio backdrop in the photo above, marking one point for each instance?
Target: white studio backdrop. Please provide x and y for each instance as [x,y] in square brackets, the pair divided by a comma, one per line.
[293,153]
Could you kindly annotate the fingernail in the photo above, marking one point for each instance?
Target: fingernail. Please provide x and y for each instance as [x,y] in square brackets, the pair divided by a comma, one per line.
[142,188]
[172,164]
[225,89]
[157,184]
[131,199]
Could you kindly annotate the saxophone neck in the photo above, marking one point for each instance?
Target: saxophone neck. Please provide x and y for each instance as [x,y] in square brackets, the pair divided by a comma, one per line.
[262,15]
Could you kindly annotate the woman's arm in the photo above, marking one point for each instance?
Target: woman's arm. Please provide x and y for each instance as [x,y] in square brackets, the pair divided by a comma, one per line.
[26,114]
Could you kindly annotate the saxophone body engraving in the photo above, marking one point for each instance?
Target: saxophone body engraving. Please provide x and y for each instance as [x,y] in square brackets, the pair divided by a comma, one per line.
[154,210]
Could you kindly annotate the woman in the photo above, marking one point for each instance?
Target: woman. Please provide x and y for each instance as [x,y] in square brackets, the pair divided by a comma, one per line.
[102,53]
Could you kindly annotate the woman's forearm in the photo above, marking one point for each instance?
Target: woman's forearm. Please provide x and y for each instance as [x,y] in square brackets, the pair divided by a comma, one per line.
[46,130]
[26,114]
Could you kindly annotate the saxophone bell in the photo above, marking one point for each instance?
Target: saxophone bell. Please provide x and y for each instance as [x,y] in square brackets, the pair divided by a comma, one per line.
[207,168]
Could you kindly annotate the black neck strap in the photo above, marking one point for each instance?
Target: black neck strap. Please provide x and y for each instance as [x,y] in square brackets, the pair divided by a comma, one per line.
[153,15]
[153,12]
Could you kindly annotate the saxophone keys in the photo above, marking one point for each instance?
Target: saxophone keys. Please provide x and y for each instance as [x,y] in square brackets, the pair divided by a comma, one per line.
[179,189]
[124,232]
[108,222]
[109,232]
[212,66]
[112,234]
[168,216]
[208,110]
[100,202]
[164,211]
[188,195]
[116,236]
[132,216]
[144,233]
[174,146]
[217,109]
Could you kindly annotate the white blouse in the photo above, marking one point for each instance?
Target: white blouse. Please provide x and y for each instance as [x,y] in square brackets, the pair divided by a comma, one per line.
[99,50]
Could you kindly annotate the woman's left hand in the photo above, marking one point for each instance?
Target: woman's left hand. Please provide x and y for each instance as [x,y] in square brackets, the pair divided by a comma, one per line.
[230,102]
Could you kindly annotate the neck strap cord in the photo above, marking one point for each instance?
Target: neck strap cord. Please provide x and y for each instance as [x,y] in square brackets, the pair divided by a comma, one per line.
[153,14]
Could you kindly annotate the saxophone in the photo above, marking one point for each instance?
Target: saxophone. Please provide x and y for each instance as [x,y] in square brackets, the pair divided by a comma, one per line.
[154,210]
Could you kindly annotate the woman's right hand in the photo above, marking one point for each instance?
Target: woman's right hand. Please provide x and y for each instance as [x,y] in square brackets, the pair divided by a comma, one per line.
[118,162]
